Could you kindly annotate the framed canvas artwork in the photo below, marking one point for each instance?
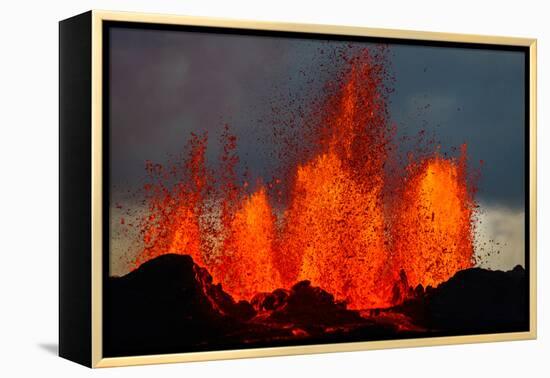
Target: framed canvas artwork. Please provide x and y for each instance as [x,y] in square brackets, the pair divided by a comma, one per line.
[236,188]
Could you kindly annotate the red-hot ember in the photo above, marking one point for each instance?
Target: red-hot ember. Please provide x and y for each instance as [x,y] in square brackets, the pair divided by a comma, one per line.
[342,226]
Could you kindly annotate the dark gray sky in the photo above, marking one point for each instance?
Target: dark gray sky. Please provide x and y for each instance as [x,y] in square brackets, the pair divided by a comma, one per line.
[165,84]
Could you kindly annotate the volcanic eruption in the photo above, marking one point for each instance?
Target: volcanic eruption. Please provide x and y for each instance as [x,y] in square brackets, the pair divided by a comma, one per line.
[336,215]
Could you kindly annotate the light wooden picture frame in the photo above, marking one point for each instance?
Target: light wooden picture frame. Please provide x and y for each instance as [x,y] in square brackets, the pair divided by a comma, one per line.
[254,243]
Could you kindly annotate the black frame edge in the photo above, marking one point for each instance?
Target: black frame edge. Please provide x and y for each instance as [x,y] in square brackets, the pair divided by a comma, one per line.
[75,175]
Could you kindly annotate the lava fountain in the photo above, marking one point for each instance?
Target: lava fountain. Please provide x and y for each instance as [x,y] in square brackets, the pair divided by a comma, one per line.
[343,226]
[432,231]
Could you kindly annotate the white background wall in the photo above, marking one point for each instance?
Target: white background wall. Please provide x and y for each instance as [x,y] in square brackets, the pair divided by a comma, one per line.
[29,176]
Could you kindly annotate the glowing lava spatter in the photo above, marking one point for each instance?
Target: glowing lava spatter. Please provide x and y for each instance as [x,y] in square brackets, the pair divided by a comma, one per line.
[175,204]
[247,259]
[335,222]
[339,228]
[433,228]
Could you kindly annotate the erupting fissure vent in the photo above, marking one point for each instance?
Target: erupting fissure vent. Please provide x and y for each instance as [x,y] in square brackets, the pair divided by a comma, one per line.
[343,226]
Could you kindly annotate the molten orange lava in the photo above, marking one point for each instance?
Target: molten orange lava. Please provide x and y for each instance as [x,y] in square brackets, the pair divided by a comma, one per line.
[247,267]
[433,228]
[335,220]
[339,228]
[172,223]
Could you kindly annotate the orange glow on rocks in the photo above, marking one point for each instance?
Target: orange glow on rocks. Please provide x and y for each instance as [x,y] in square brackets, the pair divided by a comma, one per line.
[342,225]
